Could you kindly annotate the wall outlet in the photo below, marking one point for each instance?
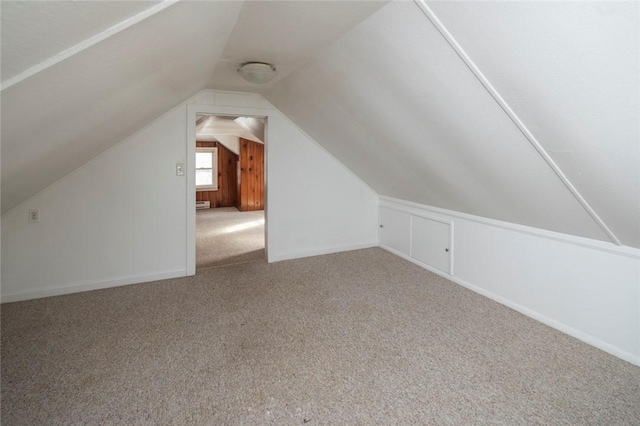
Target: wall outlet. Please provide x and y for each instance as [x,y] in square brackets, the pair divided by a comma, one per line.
[34,216]
[179,169]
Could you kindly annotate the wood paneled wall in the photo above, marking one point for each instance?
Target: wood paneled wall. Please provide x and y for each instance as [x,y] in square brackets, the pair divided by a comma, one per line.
[251,182]
[227,193]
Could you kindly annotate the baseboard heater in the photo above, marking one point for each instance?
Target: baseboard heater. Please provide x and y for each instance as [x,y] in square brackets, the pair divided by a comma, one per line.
[203,204]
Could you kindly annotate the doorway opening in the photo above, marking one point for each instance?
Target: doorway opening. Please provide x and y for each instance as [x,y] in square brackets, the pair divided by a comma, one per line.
[230,190]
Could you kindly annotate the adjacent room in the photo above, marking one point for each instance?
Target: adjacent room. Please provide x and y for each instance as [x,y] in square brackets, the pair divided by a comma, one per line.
[320,212]
[230,196]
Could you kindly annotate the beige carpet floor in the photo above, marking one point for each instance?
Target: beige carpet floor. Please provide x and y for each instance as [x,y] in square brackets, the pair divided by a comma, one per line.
[362,337]
[225,236]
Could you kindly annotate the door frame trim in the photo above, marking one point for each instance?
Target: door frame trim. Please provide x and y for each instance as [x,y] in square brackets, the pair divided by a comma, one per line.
[192,111]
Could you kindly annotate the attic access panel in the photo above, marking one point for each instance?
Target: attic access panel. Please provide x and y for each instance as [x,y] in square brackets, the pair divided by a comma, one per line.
[431,243]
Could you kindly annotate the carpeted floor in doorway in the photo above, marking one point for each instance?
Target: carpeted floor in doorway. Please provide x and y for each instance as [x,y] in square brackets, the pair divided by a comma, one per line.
[225,236]
[362,337]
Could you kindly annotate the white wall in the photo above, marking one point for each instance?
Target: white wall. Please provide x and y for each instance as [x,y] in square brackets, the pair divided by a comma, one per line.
[118,219]
[122,217]
[585,288]
[315,205]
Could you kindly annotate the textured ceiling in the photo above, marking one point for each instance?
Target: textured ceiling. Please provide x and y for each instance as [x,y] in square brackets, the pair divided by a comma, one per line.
[394,102]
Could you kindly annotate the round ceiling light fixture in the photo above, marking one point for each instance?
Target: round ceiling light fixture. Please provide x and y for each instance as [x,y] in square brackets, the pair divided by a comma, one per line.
[257,72]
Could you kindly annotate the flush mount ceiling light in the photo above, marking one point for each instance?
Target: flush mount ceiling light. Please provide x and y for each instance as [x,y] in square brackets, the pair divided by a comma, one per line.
[257,72]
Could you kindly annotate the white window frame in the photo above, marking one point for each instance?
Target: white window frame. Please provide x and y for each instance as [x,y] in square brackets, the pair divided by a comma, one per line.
[214,169]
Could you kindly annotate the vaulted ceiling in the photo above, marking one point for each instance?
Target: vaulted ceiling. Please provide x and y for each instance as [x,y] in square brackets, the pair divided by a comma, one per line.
[69,112]
[79,77]
[212,127]
[525,112]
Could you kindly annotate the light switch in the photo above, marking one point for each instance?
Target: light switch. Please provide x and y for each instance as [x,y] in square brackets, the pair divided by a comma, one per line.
[179,169]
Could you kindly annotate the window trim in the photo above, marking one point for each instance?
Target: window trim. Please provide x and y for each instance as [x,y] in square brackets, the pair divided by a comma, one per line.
[214,169]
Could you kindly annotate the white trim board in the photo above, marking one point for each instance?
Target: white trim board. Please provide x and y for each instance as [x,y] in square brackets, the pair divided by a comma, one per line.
[88,286]
[493,92]
[85,44]
[416,208]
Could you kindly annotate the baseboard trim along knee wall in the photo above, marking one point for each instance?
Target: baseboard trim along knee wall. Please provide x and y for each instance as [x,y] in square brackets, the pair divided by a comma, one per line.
[585,288]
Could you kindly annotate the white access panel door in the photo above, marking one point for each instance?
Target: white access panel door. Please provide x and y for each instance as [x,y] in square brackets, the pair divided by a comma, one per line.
[431,243]
[395,230]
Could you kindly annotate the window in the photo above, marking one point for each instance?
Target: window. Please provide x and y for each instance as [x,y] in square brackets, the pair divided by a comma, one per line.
[206,169]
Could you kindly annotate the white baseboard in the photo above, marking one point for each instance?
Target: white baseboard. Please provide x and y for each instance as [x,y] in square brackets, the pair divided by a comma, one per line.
[88,286]
[627,356]
[318,252]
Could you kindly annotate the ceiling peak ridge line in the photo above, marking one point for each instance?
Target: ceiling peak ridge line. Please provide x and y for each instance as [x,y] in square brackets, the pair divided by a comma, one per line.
[85,44]
[431,16]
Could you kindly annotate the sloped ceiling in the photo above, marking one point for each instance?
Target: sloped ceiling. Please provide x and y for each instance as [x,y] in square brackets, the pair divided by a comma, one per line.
[376,84]
[33,31]
[394,102]
[63,116]
[56,119]
[571,71]
[285,33]
[215,126]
